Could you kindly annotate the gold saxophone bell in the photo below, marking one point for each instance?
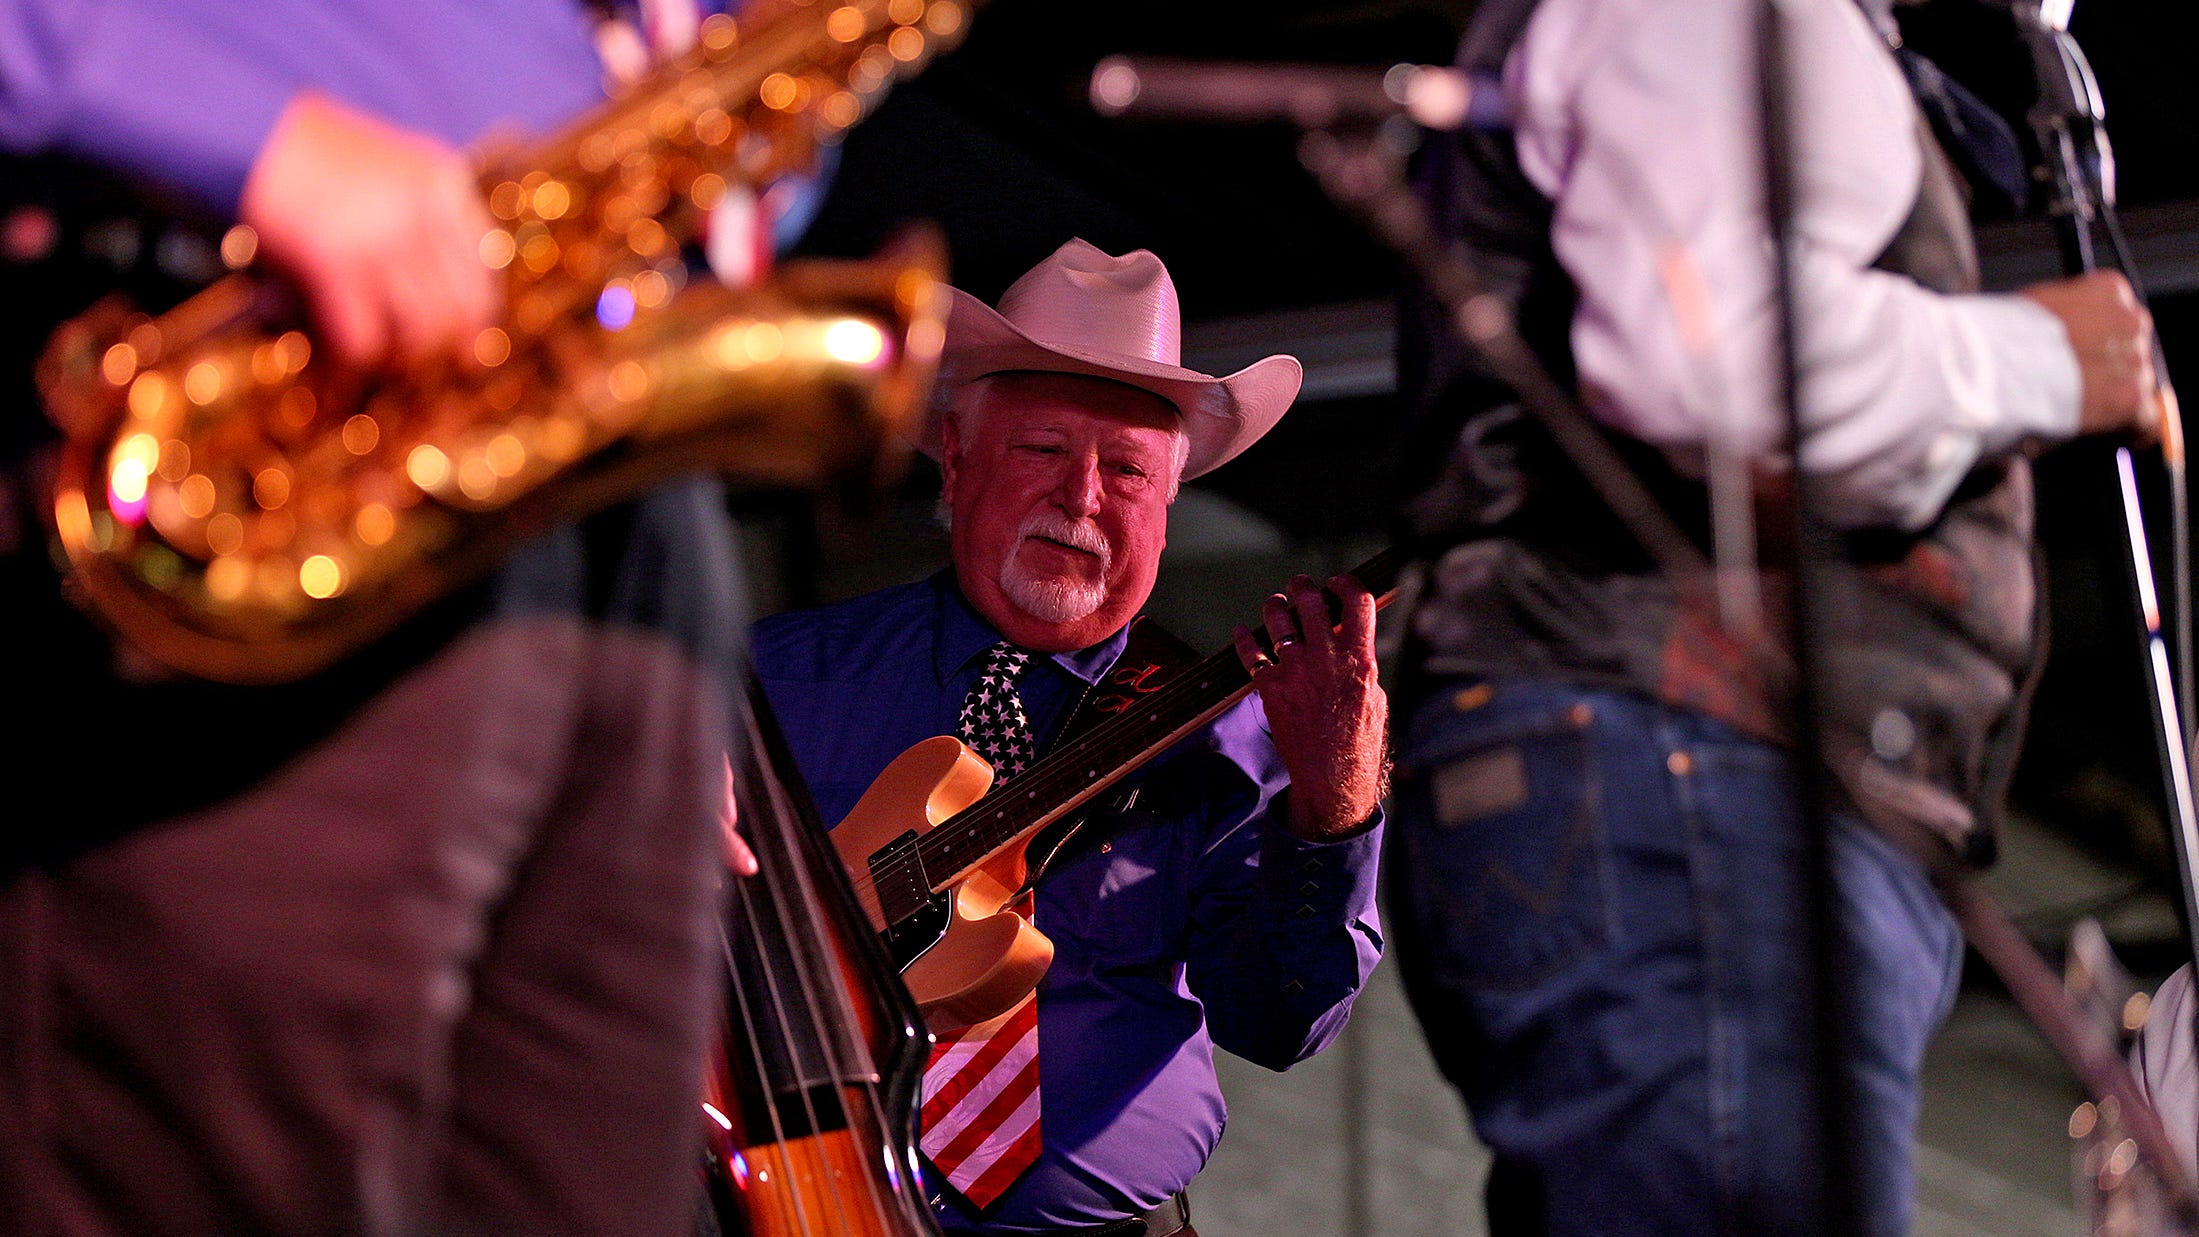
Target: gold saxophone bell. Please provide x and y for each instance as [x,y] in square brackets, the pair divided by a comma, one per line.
[240,510]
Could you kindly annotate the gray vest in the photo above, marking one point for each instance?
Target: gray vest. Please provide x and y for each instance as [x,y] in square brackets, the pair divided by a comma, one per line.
[1930,638]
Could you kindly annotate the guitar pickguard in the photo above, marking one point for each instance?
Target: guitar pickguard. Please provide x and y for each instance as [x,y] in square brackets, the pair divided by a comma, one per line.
[915,934]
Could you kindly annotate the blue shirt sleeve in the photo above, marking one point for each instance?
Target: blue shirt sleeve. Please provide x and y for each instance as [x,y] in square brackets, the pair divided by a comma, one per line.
[1283,933]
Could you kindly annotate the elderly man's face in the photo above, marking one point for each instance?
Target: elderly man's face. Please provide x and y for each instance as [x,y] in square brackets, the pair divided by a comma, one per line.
[1059,488]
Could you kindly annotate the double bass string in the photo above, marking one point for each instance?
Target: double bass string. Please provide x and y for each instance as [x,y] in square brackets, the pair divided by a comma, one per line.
[784,883]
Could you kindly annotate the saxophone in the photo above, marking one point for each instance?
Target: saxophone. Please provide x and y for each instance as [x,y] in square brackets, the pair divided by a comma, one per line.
[235,507]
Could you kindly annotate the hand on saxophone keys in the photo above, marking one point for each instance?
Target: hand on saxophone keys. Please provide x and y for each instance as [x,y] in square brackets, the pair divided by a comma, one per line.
[379,228]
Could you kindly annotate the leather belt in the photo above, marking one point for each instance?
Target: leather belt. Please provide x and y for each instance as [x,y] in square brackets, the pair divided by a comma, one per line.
[1172,1216]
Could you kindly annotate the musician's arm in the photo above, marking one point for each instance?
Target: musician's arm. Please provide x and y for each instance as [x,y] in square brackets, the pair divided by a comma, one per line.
[1637,119]
[380,228]
[1283,932]
[182,95]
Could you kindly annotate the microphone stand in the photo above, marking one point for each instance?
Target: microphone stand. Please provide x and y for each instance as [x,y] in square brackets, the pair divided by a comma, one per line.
[1812,544]
[1359,167]
[2081,167]
[2067,118]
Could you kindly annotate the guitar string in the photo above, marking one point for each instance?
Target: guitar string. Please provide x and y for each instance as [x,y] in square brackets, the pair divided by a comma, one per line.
[795,1198]
[949,839]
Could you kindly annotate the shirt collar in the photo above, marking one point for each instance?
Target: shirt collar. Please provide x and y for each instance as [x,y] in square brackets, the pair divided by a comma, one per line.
[964,635]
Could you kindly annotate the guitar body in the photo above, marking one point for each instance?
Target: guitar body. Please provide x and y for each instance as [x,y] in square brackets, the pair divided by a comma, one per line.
[970,956]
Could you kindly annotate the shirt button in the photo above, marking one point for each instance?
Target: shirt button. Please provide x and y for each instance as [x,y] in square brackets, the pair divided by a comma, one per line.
[1680,764]
[1893,735]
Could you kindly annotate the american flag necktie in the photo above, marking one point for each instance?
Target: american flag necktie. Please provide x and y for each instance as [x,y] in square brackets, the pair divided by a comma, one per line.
[980,1114]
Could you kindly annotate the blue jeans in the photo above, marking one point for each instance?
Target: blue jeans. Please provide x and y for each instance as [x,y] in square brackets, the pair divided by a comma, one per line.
[1602,915]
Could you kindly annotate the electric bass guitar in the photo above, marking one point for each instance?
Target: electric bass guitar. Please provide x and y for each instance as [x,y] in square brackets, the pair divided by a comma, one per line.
[940,865]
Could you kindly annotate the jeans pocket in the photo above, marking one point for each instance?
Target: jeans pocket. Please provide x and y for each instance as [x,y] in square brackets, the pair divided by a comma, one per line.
[1503,860]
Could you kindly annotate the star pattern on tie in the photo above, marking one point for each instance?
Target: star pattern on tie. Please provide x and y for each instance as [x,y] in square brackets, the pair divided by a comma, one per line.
[993,722]
[980,1113]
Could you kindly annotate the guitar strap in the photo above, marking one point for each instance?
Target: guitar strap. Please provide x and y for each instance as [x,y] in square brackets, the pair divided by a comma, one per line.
[1151,658]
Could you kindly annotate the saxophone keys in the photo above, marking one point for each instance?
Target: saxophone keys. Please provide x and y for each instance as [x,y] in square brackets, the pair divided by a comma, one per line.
[477,477]
[944,18]
[841,110]
[118,365]
[298,407]
[203,383]
[714,127]
[196,497]
[498,249]
[492,347]
[373,524]
[507,199]
[152,398]
[427,467]
[539,252]
[847,23]
[719,33]
[645,236]
[782,92]
[322,576]
[706,191]
[271,487]
[551,199]
[239,245]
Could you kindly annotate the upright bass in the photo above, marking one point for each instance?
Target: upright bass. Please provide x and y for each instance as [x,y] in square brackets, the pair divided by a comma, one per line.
[810,1106]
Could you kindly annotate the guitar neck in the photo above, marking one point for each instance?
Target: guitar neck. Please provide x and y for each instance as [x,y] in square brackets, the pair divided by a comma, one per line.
[1082,768]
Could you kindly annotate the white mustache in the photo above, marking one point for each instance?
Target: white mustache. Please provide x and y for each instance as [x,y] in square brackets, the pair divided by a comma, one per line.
[1078,534]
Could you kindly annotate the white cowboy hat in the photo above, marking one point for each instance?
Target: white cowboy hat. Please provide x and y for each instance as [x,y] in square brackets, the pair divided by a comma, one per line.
[1083,312]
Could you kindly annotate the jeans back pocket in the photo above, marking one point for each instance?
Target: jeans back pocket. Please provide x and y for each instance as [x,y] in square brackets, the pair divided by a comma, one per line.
[1499,848]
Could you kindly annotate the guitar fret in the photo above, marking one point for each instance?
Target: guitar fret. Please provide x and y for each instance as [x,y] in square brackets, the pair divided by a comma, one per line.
[897,876]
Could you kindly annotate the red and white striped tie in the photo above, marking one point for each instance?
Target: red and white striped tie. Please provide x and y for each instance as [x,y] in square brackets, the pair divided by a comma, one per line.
[980,1115]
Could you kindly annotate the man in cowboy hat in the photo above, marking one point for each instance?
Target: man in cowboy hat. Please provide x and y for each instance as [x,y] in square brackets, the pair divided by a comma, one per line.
[1232,902]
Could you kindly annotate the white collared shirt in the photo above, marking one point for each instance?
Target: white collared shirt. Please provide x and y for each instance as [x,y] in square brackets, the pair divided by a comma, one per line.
[1638,119]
